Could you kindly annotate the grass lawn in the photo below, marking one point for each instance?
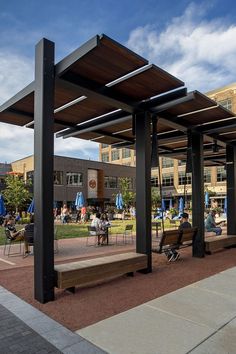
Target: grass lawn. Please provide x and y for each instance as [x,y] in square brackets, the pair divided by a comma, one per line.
[77,230]
[80,230]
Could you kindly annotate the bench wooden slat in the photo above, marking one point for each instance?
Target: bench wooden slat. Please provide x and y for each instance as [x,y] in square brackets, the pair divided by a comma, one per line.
[176,239]
[214,243]
[84,272]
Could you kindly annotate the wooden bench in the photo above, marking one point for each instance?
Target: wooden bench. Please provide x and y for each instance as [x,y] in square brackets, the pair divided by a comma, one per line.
[176,239]
[68,275]
[214,243]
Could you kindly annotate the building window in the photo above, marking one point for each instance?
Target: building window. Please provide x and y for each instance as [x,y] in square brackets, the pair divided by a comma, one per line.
[184,180]
[221,174]
[104,146]
[58,177]
[207,175]
[221,203]
[167,162]
[181,163]
[226,103]
[105,157]
[115,154]
[126,153]
[154,181]
[110,182]
[167,179]
[74,179]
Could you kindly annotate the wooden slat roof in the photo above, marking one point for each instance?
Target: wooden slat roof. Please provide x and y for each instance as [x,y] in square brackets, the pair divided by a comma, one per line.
[101,77]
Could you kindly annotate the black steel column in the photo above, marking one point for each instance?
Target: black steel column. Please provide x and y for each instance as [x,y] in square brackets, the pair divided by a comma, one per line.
[43,171]
[143,186]
[231,189]
[198,193]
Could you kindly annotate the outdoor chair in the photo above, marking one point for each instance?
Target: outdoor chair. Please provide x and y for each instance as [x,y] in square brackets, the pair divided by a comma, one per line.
[8,243]
[127,234]
[29,238]
[92,232]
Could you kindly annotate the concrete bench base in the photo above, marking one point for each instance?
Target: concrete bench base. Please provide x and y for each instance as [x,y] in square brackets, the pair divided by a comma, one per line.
[214,243]
[68,275]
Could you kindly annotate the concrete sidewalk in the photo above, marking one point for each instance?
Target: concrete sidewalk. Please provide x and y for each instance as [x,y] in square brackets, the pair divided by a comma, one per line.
[198,319]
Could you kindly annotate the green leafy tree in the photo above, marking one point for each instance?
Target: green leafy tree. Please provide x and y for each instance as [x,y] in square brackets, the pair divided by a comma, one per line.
[156,198]
[127,195]
[16,193]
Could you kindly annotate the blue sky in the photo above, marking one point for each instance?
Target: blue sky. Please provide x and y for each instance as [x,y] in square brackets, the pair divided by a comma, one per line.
[193,40]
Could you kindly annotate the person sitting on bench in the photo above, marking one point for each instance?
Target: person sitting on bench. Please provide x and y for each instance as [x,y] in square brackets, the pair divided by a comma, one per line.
[173,255]
[210,224]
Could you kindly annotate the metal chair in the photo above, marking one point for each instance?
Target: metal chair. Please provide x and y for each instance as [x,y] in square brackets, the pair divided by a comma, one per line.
[29,238]
[92,231]
[127,234]
[9,242]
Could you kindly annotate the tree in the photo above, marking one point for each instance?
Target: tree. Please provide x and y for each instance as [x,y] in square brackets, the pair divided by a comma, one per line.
[127,195]
[16,193]
[156,198]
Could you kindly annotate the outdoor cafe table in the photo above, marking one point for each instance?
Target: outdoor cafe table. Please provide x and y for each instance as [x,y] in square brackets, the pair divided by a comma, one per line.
[107,230]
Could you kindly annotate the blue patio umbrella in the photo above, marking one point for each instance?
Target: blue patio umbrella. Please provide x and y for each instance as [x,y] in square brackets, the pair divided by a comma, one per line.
[2,206]
[181,205]
[163,206]
[31,207]
[206,199]
[170,205]
[225,206]
[119,201]
[79,201]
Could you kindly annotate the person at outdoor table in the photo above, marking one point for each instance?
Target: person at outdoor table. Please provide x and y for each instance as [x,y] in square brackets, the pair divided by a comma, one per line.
[104,227]
[65,214]
[210,224]
[97,223]
[16,235]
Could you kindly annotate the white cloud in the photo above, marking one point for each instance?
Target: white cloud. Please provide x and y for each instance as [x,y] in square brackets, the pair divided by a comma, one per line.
[202,53]
[16,72]
[18,142]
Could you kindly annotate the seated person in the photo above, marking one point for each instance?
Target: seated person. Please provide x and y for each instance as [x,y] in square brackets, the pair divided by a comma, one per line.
[104,227]
[173,255]
[15,235]
[210,224]
[184,223]
[97,223]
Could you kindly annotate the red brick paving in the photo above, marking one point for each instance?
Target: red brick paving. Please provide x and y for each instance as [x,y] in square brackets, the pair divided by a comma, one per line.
[92,304]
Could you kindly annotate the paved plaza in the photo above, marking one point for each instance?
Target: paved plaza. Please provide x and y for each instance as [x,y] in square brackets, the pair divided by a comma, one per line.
[199,318]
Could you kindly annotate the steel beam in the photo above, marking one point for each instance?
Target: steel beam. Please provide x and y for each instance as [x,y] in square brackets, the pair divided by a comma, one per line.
[43,171]
[143,186]
[198,193]
[231,188]
[227,125]
[94,124]
[173,103]
[104,94]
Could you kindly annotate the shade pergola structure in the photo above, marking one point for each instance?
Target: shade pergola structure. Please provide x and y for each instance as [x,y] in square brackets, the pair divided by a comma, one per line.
[106,93]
